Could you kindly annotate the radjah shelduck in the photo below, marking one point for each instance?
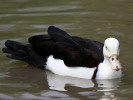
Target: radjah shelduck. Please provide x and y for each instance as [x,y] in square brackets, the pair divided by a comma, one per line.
[68,55]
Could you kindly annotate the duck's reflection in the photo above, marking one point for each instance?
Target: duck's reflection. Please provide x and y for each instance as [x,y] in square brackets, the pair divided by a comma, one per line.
[57,82]
[39,80]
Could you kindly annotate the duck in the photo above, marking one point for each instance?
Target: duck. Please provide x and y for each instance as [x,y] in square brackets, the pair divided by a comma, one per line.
[67,55]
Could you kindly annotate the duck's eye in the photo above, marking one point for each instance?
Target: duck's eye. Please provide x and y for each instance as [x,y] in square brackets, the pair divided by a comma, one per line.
[112,59]
[117,58]
[106,47]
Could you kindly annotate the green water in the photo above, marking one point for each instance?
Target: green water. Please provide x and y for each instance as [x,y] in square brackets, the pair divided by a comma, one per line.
[94,19]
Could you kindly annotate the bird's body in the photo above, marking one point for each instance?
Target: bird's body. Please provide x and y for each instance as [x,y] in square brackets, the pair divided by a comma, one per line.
[67,55]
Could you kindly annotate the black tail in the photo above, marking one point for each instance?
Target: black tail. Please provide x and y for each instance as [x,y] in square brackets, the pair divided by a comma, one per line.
[23,52]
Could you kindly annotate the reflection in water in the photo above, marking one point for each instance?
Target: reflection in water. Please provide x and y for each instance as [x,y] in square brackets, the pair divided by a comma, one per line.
[57,82]
[46,85]
[108,87]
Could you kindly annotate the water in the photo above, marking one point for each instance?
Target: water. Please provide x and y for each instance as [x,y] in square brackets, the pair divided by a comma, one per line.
[92,19]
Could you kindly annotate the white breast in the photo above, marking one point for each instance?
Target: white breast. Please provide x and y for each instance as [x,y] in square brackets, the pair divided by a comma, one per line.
[105,72]
[57,66]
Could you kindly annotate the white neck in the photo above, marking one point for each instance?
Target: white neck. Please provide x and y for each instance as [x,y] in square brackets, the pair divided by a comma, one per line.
[106,61]
[105,71]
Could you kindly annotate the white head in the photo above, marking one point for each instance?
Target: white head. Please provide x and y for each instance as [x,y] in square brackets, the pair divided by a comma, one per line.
[111,53]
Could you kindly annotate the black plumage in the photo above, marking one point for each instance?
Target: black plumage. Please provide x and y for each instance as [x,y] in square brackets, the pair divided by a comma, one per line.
[74,51]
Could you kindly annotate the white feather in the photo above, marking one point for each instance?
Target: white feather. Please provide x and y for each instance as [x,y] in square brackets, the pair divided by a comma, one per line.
[57,66]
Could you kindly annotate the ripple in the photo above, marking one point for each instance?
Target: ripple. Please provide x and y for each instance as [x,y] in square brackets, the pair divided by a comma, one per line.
[32,96]
[6,27]
[14,85]
[4,96]
[46,26]
[49,8]
[31,14]
[54,94]
[44,14]
[111,33]
[39,33]
[3,75]
[87,93]
[6,15]
[54,14]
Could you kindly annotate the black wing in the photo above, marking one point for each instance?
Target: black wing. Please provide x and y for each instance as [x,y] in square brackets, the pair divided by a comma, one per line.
[74,51]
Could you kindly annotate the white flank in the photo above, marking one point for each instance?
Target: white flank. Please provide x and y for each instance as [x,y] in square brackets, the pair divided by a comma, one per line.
[57,66]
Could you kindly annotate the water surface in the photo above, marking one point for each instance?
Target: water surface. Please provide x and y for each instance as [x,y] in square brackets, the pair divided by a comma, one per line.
[92,19]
